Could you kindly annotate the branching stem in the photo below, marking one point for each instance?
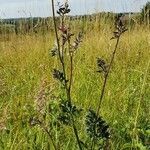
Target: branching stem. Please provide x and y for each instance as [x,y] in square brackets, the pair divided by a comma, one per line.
[61,57]
[106,76]
[104,84]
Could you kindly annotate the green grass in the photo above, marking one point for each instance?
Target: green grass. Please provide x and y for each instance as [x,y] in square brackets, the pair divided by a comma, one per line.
[25,63]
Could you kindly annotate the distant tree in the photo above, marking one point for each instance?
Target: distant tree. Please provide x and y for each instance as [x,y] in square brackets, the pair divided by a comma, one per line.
[145,14]
[16,26]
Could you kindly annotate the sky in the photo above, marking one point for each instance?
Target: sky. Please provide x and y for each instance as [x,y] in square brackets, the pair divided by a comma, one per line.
[42,8]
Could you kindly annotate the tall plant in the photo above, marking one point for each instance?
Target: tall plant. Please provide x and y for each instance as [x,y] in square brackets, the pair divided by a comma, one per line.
[63,47]
[97,127]
[66,45]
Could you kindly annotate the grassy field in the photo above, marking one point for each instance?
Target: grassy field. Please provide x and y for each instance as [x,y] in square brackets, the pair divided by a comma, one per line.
[26,78]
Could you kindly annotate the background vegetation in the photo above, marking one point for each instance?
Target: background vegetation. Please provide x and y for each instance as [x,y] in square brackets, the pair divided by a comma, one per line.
[26,81]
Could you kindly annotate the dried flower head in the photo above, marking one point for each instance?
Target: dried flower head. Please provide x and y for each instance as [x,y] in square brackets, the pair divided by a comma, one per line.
[44,93]
[120,28]
[102,66]
[77,41]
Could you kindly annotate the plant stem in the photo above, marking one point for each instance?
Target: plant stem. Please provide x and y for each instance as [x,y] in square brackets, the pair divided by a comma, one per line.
[49,134]
[71,73]
[61,58]
[76,133]
[68,90]
[56,33]
[71,64]
[104,84]
[106,76]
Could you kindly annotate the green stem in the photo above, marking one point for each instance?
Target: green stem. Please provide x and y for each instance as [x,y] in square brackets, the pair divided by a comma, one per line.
[104,84]
[106,77]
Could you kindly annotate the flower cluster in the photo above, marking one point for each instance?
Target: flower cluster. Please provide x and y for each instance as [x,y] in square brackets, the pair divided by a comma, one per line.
[68,110]
[120,28]
[97,128]
[63,9]
[102,66]
[58,75]
[54,50]
[77,41]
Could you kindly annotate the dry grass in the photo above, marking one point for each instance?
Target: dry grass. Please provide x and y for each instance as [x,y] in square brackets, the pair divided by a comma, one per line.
[25,61]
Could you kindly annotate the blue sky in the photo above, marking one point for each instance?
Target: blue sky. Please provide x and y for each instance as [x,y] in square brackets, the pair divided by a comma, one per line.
[34,8]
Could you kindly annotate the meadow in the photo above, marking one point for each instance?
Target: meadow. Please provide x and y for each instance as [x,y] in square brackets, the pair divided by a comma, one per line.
[26,80]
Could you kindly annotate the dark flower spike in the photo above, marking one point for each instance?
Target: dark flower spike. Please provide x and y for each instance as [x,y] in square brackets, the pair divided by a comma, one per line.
[67,109]
[120,28]
[97,128]
[77,41]
[63,9]
[58,75]
[102,66]
[63,35]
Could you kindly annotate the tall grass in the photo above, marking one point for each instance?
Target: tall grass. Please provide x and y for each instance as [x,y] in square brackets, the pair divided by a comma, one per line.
[25,63]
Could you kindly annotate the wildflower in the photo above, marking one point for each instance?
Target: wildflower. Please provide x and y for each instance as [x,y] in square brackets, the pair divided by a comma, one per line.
[58,75]
[54,50]
[102,66]
[63,9]
[120,28]
[40,100]
[67,109]
[77,41]
[96,127]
